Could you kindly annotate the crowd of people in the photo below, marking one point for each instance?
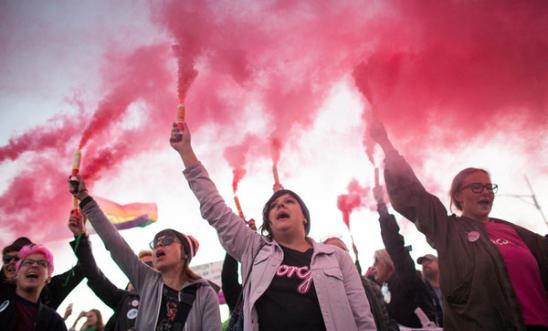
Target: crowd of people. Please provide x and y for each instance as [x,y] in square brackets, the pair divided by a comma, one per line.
[488,274]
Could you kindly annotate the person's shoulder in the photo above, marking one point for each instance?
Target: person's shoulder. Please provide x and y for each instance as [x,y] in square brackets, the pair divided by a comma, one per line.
[53,320]
[200,284]
[320,248]
[45,309]
[7,290]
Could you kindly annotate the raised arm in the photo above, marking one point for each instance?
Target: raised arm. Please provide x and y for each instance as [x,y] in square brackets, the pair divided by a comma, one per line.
[61,285]
[394,242]
[407,194]
[120,251]
[229,280]
[234,235]
[99,284]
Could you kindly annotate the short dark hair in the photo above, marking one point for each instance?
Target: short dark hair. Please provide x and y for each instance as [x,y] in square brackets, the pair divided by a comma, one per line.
[16,245]
[266,210]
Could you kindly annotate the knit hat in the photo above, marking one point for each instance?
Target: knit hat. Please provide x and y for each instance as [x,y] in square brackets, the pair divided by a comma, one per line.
[189,243]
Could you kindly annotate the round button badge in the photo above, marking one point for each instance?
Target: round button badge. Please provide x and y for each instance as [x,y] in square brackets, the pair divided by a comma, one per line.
[4,305]
[473,236]
[132,313]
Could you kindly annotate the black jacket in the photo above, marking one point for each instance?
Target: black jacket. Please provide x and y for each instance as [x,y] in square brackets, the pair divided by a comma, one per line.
[47,320]
[407,288]
[229,280]
[378,306]
[125,304]
[60,286]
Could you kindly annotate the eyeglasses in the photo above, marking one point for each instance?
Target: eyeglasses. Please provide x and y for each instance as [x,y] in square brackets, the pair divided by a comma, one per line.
[164,241]
[41,263]
[148,263]
[478,187]
[8,258]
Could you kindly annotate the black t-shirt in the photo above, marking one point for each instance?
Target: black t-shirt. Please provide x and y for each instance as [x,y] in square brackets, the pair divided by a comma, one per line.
[175,308]
[290,302]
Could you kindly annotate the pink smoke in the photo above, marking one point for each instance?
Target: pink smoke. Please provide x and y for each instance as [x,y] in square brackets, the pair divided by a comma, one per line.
[39,192]
[437,73]
[236,156]
[248,53]
[354,198]
[457,69]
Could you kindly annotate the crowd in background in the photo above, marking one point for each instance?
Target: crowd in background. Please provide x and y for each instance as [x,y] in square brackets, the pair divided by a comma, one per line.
[488,274]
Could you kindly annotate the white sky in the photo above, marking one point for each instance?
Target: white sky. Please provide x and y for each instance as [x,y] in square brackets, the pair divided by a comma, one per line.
[35,79]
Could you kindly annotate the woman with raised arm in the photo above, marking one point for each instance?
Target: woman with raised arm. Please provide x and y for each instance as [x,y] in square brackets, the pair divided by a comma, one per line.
[290,281]
[172,296]
[94,321]
[493,273]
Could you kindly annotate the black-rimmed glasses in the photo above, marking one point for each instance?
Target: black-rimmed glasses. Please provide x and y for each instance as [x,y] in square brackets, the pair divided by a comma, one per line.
[479,187]
[29,263]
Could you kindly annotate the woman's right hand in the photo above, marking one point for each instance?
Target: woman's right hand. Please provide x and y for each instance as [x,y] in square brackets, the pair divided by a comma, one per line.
[180,137]
[377,131]
[180,141]
[77,187]
[76,223]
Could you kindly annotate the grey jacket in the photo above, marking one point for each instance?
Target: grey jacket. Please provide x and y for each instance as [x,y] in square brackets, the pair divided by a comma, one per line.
[341,296]
[204,314]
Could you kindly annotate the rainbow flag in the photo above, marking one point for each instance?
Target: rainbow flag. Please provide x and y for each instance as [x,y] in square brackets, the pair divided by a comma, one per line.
[130,215]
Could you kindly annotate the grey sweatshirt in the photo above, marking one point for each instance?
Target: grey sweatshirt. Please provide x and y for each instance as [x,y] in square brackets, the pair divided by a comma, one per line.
[204,314]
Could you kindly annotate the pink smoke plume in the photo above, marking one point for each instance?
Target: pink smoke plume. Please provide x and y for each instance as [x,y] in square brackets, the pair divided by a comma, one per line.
[439,81]
[51,136]
[354,198]
[237,157]
[186,73]
[39,192]
[42,138]
[285,56]
[248,54]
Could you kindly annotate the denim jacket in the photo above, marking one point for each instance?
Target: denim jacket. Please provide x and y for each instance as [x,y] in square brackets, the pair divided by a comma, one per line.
[342,299]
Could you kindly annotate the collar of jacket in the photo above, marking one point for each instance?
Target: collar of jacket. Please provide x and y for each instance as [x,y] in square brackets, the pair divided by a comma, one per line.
[317,248]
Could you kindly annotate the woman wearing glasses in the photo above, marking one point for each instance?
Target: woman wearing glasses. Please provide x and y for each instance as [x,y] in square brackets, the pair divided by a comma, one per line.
[493,274]
[290,282]
[172,297]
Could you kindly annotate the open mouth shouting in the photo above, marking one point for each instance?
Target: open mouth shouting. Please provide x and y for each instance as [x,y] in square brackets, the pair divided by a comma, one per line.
[485,202]
[282,216]
[32,275]
[159,254]
[32,278]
